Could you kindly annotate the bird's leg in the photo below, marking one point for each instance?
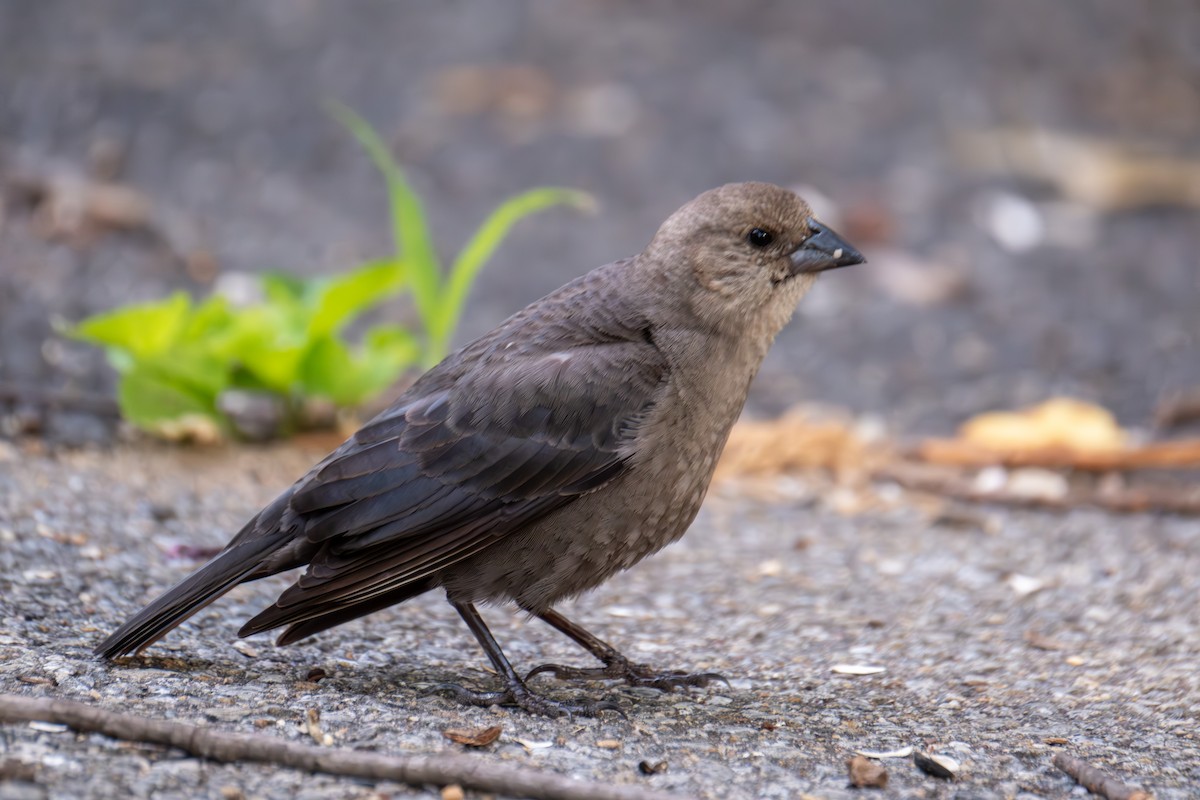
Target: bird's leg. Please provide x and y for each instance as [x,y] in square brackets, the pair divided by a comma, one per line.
[516,692]
[615,664]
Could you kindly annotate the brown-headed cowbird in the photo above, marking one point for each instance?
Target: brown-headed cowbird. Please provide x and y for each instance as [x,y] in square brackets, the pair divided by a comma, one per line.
[569,443]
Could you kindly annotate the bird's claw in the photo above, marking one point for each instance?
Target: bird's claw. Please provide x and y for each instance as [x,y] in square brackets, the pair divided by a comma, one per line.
[633,674]
[530,701]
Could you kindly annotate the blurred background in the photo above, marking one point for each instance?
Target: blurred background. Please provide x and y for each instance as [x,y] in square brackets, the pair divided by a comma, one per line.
[1024,177]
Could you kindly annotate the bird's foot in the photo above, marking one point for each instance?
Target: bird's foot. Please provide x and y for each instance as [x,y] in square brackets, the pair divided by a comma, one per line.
[633,674]
[522,696]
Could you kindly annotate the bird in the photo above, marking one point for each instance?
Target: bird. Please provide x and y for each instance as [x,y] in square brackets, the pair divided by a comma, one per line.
[566,445]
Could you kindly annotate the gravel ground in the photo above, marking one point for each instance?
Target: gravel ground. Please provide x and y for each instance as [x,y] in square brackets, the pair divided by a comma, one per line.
[1004,640]
[999,638]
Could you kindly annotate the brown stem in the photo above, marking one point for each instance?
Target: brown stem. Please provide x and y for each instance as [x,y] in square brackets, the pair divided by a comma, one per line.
[470,772]
[1098,782]
[949,482]
[1174,454]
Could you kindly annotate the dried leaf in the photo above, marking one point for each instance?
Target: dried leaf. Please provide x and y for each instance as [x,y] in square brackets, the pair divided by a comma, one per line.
[649,768]
[799,440]
[1101,174]
[1060,422]
[473,738]
[312,722]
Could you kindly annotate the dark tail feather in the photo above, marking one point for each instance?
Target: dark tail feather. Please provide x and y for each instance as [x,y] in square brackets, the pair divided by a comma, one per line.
[188,596]
[299,629]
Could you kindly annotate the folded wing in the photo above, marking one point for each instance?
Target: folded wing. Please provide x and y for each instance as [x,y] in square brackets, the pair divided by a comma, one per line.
[458,467]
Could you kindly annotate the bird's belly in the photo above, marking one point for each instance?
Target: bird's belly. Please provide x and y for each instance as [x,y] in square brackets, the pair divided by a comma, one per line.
[580,545]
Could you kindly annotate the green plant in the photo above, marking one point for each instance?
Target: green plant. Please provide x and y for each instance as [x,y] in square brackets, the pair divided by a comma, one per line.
[177,357]
[438,294]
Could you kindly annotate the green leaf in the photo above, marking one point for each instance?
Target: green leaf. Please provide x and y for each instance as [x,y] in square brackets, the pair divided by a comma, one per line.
[275,368]
[119,359]
[142,330]
[193,369]
[480,248]
[333,370]
[150,397]
[209,319]
[283,288]
[326,370]
[339,300]
[414,243]
[389,350]
[219,331]
[270,342]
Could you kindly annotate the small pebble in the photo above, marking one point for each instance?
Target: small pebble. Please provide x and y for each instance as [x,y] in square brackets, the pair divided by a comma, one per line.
[866,774]
[245,648]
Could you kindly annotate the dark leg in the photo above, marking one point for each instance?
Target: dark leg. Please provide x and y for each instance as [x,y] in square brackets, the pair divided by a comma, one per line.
[615,664]
[516,693]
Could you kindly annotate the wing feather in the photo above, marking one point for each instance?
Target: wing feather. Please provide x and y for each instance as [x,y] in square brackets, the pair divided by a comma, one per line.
[485,443]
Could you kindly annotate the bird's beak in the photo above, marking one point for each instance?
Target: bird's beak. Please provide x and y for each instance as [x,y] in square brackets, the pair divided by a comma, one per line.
[823,250]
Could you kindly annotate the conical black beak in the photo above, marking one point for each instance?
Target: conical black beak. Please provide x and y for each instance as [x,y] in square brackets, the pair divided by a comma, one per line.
[823,250]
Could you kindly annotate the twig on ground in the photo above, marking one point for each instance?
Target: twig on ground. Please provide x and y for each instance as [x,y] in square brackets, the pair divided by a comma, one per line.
[1177,454]
[952,483]
[469,772]
[1098,782]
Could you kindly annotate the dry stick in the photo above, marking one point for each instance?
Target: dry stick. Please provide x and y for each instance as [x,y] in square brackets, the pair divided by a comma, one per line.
[1097,781]
[439,770]
[945,482]
[1173,454]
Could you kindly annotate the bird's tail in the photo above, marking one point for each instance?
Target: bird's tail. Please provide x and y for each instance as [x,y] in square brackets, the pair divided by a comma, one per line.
[193,593]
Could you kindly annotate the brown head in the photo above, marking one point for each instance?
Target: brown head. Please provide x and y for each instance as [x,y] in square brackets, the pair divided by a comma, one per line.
[743,255]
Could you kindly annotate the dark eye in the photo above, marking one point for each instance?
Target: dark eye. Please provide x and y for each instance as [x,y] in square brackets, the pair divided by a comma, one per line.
[759,237]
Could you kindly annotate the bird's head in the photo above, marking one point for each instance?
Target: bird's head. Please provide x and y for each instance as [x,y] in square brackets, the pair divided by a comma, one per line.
[744,254]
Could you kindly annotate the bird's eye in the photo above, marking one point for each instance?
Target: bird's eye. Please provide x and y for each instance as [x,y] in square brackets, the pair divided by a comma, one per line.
[759,237]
